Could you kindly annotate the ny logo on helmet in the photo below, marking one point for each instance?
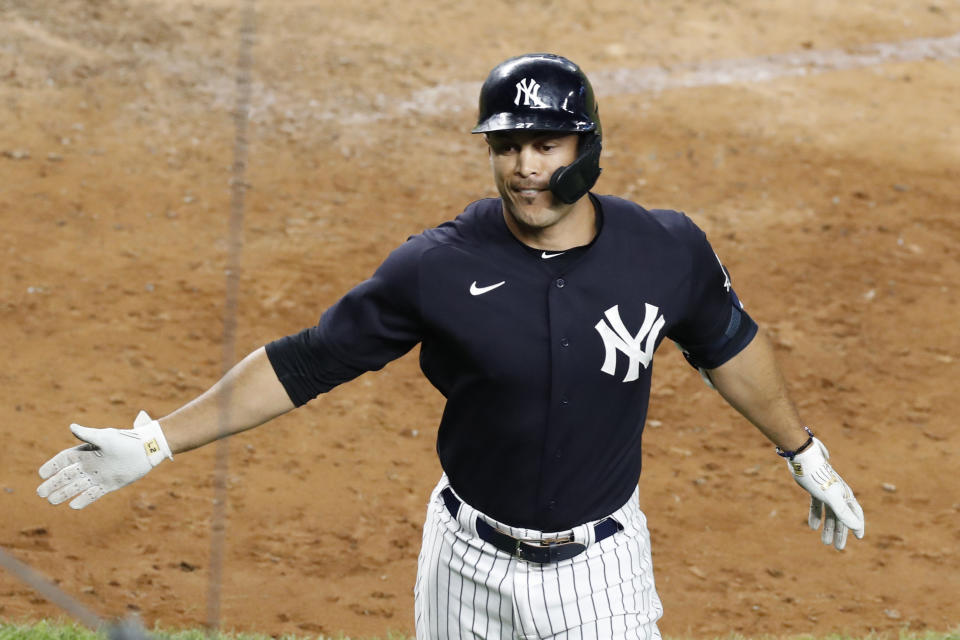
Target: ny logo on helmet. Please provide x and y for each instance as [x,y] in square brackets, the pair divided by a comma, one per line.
[638,348]
[529,90]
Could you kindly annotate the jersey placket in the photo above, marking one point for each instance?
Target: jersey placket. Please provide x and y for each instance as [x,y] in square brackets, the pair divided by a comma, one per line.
[562,397]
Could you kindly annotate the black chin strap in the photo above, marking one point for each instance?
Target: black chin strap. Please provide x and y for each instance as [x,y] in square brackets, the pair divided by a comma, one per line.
[572,182]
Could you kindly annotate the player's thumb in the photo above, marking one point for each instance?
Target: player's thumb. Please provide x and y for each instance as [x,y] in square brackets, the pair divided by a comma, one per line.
[95,437]
[143,418]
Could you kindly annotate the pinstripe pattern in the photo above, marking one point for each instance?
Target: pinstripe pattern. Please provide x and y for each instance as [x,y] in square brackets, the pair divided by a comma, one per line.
[467,589]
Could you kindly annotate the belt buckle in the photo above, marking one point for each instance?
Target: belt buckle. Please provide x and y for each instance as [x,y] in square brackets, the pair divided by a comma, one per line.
[521,553]
[550,542]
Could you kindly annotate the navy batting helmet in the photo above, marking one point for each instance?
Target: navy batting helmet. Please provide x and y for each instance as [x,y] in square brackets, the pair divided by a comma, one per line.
[546,92]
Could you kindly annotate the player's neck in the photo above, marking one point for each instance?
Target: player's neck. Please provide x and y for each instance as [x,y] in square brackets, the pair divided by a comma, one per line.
[576,228]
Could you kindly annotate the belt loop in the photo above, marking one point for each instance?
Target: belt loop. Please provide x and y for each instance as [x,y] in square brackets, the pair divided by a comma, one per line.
[467,517]
[589,533]
[450,502]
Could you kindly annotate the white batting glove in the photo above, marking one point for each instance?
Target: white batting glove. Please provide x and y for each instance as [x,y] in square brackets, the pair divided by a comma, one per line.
[108,459]
[831,500]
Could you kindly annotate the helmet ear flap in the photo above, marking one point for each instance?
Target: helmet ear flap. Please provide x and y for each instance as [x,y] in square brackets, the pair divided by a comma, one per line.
[572,182]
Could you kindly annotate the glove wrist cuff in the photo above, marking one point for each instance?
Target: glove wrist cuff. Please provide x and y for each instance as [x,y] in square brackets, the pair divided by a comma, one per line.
[155,444]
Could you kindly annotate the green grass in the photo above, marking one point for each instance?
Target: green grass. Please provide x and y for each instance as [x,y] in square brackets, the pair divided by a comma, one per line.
[903,635]
[54,631]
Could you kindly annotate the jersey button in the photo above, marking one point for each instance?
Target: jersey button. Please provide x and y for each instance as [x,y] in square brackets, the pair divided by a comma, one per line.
[564,342]
[564,400]
[558,454]
[552,505]
[561,283]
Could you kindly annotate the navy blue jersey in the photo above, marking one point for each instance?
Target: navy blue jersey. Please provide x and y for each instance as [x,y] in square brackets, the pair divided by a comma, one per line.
[545,369]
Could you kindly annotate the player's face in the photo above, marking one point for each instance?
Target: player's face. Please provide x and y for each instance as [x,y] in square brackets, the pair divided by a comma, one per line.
[522,163]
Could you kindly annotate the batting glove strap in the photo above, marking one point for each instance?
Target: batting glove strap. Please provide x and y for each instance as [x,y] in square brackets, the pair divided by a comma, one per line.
[831,499]
[107,460]
[154,443]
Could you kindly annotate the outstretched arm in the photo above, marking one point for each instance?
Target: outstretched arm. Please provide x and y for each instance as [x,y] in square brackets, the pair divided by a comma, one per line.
[752,383]
[247,396]
[108,459]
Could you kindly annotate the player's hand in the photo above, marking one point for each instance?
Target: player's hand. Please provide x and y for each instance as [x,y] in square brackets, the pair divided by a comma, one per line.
[107,460]
[832,499]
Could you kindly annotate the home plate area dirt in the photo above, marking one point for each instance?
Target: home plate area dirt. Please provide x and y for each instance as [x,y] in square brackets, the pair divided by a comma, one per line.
[817,144]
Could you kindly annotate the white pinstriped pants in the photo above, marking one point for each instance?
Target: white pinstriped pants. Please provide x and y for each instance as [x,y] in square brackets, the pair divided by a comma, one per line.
[467,588]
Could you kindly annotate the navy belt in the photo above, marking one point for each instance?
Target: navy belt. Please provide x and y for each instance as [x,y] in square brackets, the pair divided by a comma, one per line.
[539,551]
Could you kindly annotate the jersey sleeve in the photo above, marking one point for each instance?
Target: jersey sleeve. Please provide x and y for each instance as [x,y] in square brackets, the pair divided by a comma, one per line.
[374,323]
[715,327]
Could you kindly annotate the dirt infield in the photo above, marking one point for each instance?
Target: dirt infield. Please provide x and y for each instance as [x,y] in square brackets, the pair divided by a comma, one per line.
[824,169]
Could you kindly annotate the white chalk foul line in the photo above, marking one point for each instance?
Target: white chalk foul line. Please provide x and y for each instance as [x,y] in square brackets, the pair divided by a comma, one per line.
[620,82]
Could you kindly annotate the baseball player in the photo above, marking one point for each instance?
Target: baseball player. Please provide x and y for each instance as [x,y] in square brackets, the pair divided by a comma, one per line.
[538,314]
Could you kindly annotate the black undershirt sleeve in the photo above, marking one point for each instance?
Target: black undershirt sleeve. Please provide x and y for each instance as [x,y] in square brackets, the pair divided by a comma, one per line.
[374,323]
[305,367]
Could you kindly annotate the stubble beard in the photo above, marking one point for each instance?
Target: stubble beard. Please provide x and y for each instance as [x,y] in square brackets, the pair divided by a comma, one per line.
[533,214]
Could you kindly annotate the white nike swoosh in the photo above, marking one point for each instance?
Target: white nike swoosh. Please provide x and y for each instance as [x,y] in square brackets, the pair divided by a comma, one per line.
[547,256]
[479,291]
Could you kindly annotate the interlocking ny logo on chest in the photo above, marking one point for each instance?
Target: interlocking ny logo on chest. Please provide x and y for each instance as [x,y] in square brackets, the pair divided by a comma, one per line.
[638,348]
